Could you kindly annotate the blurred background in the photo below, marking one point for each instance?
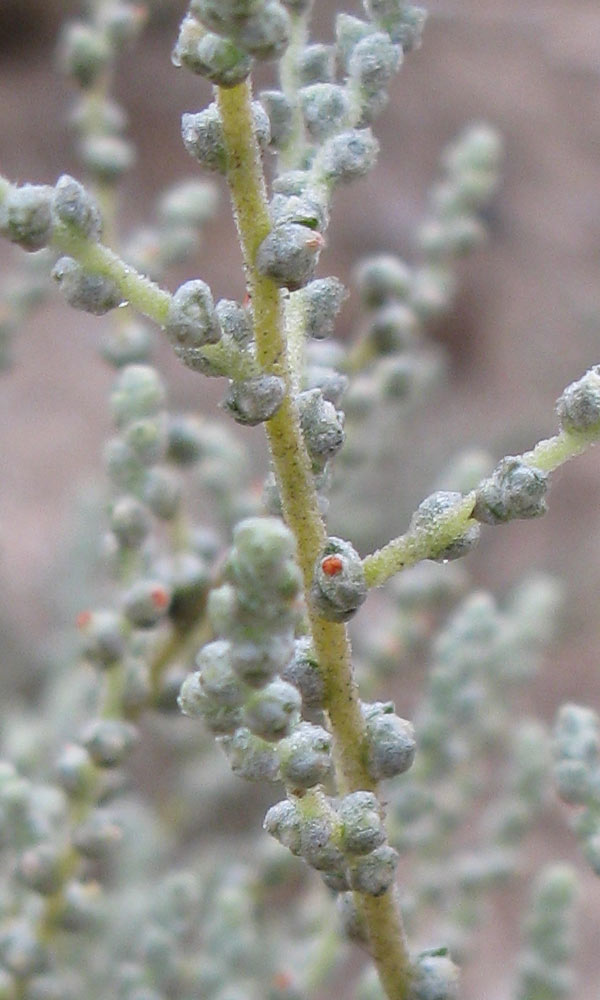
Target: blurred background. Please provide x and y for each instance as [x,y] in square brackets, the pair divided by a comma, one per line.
[525,322]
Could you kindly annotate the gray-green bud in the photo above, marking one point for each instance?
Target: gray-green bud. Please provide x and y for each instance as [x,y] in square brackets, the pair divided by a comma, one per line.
[305,756]
[284,822]
[289,254]
[108,741]
[324,109]
[271,711]
[26,216]
[146,603]
[76,208]
[218,59]
[435,976]
[279,110]
[428,513]
[266,31]
[92,293]
[381,278]
[322,427]
[191,320]
[578,407]
[391,741]
[362,827]
[339,586]
[373,873]
[316,64]
[514,490]
[130,522]
[348,156]
[304,673]
[254,400]
[251,757]
[138,393]
[322,300]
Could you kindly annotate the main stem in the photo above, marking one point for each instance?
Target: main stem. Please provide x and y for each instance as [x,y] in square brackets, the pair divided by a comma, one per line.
[300,506]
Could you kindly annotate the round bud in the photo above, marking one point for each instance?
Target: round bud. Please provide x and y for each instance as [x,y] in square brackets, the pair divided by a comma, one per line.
[26,216]
[322,427]
[279,111]
[349,31]
[75,208]
[289,255]
[92,293]
[272,711]
[138,392]
[435,977]
[189,203]
[372,63]
[218,59]
[195,702]
[185,440]
[40,869]
[266,31]
[324,108]
[21,952]
[362,827]
[375,872]
[338,587]
[303,672]
[348,156]
[284,822]
[251,757]
[257,662]
[305,756]
[103,637]
[235,321]
[382,278]
[97,836]
[391,741]
[146,603]
[191,320]
[316,64]
[427,515]
[578,408]
[202,135]
[147,438]
[127,344]
[84,52]
[162,492]
[322,300]
[305,209]
[130,522]
[74,771]
[514,490]
[254,400]
[218,679]
[319,837]
[109,741]
[107,157]
[403,22]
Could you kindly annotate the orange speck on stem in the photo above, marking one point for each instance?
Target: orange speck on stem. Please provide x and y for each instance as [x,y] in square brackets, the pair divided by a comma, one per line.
[83,619]
[282,980]
[332,565]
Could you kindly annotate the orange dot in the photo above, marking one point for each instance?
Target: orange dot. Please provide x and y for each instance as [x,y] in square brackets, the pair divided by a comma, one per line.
[83,619]
[159,597]
[332,565]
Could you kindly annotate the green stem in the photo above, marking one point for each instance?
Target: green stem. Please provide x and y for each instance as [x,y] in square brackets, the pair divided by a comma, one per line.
[299,499]
[417,545]
[552,452]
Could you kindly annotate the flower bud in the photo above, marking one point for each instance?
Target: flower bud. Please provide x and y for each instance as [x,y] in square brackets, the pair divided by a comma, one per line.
[304,673]
[348,156]
[147,438]
[76,208]
[162,492]
[84,52]
[202,135]
[318,844]
[103,637]
[427,515]
[338,587]
[390,739]
[284,822]
[191,320]
[324,107]
[322,427]
[130,522]
[349,31]
[381,278]
[146,603]
[218,679]
[108,741]
[107,157]
[92,293]
[40,869]
[272,711]
[322,299]
[305,756]
[316,64]
[26,216]
[127,344]
[435,977]
[289,255]
[195,702]
[372,63]
[362,827]
[514,490]
[266,31]
[74,771]
[307,209]
[97,836]
[578,407]
[257,662]
[251,757]
[138,392]
[21,953]
[253,400]
[218,59]
[374,873]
